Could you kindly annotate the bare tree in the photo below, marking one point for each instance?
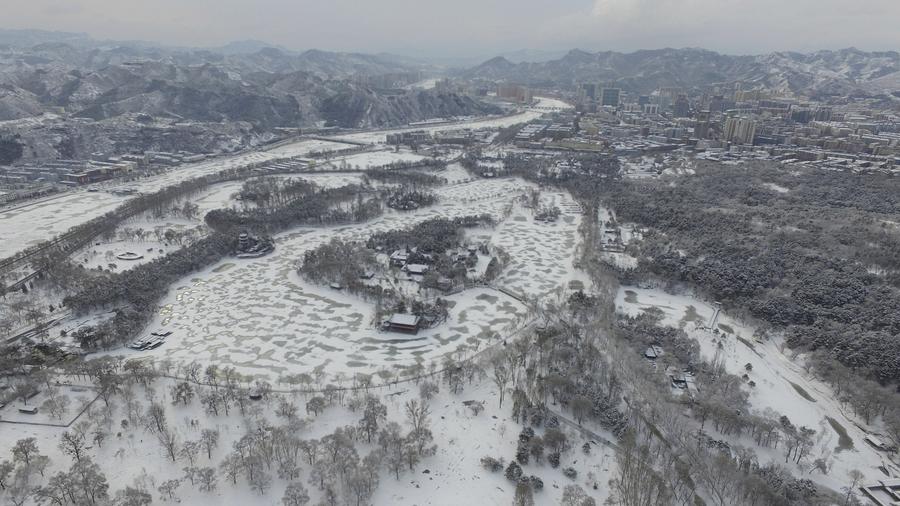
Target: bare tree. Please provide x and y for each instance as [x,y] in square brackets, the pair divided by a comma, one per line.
[169,441]
[155,419]
[73,444]
[209,439]
[189,451]
[855,478]
[25,450]
[295,495]
[168,488]
[501,377]
[207,478]
[636,483]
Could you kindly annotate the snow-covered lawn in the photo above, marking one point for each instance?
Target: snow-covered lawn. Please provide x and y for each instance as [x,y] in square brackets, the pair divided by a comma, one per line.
[455,174]
[78,396]
[104,254]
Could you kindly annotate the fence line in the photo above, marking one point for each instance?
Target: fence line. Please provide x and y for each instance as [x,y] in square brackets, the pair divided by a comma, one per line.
[57,425]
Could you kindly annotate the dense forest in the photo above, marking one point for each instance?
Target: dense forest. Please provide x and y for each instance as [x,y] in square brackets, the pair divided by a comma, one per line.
[430,237]
[816,253]
[10,150]
[402,177]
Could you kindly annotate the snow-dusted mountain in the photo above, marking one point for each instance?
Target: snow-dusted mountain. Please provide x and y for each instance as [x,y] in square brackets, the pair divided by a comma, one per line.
[824,72]
[267,88]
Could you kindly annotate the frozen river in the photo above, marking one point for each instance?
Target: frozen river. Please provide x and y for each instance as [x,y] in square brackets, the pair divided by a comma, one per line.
[30,224]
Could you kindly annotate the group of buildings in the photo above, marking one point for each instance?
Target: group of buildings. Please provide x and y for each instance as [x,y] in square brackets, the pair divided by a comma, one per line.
[68,172]
[37,178]
[457,137]
[726,122]
[514,93]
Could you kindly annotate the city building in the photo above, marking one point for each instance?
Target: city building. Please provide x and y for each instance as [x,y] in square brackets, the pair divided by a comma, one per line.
[588,92]
[701,127]
[514,93]
[682,106]
[610,97]
[739,130]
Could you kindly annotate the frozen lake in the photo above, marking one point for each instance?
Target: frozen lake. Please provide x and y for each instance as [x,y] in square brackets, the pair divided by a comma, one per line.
[262,318]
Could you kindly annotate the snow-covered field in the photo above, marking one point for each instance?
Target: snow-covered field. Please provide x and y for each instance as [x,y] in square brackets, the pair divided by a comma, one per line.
[372,159]
[78,398]
[262,318]
[104,254]
[781,383]
[131,456]
[307,146]
[455,174]
[29,225]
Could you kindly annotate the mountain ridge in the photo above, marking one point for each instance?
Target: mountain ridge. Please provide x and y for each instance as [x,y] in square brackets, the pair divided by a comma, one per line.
[847,71]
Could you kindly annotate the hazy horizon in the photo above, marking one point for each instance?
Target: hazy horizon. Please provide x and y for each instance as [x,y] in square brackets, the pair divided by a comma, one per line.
[471,30]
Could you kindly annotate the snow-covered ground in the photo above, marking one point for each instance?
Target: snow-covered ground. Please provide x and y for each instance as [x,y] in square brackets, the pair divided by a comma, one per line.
[306,146]
[261,317]
[372,159]
[454,476]
[781,383]
[103,252]
[531,113]
[455,174]
[424,84]
[776,188]
[29,225]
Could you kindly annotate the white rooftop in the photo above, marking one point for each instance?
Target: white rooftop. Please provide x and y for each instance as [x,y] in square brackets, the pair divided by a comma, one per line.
[404,319]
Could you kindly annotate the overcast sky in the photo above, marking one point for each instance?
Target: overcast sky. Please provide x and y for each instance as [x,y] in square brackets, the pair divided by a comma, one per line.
[478,28]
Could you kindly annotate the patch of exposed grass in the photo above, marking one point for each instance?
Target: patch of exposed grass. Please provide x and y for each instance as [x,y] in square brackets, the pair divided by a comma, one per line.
[803,393]
[845,442]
